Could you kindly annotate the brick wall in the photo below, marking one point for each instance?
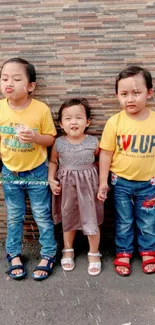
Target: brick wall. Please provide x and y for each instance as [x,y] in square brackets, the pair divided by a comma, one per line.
[78,47]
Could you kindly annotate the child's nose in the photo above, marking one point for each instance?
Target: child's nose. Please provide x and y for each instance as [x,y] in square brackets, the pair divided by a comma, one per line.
[73,121]
[9,83]
[130,98]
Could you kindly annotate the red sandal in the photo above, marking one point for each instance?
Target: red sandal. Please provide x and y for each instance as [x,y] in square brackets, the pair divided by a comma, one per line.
[147,262]
[117,262]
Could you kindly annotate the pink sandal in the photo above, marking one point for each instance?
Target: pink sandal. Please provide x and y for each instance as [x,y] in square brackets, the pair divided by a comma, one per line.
[117,262]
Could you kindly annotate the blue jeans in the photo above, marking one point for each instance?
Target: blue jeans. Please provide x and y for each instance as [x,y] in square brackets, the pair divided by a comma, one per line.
[134,204]
[16,187]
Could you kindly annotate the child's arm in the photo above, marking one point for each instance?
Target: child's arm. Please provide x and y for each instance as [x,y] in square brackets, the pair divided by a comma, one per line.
[104,166]
[46,136]
[97,155]
[53,164]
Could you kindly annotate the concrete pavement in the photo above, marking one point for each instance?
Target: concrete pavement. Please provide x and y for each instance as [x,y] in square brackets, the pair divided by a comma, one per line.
[75,298]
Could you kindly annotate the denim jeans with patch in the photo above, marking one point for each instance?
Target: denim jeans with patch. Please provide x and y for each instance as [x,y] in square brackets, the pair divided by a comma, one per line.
[134,203]
[34,184]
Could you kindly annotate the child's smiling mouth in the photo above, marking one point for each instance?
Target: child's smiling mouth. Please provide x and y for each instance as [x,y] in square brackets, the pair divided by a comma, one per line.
[74,128]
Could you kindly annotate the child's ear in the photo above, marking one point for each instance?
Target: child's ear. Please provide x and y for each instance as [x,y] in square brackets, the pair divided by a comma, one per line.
[60,125]
[31,86]
[116,95]
[150,93]
[88,122]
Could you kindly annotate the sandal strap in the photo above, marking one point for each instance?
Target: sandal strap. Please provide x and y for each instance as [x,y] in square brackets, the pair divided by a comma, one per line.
[94,265]
[48,258]
[150,261]
[147,253]
[15,267]
[68,250]
[43,268]
[67,260]
[121,263]
[95,254]
[126,255]
[10,258]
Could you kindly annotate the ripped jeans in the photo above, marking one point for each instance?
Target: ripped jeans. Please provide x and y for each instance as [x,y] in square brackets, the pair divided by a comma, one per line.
[17,186]
[134,204]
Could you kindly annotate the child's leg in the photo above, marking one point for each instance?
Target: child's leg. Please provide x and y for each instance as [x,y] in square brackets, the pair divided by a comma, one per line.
[40,201]
[94,241]
[124,223]
[145,221]
[68,238]
[16,208]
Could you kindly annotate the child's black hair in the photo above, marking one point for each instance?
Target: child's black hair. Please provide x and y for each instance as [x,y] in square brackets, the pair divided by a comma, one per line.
[133,70]
[29,68]
[75,101]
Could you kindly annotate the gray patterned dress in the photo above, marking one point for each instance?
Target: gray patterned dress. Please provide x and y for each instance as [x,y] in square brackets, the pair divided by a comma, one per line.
[77,206]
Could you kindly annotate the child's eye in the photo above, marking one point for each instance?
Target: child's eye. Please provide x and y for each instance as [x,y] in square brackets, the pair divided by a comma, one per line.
[124,94]
[67,118]
[137,92]
[4,79]
[17,79]
[79,117]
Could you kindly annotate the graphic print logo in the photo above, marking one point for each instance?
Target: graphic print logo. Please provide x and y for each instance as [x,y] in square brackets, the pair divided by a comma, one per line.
[149,203]
[141,144]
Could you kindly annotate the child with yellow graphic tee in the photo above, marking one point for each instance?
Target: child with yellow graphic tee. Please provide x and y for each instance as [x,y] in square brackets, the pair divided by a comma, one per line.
[128,151]
[26,129]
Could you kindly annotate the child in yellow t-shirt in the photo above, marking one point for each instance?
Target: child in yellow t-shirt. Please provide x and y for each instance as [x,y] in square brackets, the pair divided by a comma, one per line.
[26,129]
[128,151]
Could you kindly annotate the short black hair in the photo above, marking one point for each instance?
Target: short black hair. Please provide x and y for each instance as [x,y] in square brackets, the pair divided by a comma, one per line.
[132,71]
[75,101]
[29,68]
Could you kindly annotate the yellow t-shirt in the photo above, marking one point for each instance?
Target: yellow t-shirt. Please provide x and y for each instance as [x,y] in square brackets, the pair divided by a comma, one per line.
[133,143]
[18,156]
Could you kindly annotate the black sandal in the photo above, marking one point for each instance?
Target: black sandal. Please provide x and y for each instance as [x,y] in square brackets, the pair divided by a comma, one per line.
[46,268]
[16,267]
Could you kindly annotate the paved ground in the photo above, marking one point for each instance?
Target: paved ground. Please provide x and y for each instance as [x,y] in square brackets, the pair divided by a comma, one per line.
[76,298]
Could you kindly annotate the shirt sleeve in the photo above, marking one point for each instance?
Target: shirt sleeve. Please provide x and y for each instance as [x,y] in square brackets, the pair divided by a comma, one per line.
[47,125]
[108,139]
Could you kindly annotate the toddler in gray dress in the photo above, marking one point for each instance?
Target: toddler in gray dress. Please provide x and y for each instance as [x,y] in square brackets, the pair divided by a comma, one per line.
[73,178]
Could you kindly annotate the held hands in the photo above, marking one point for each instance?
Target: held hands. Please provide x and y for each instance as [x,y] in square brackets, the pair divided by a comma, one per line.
[102,192]
[55,187]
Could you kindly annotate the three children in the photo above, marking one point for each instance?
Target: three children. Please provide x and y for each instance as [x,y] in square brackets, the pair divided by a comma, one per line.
[127,145]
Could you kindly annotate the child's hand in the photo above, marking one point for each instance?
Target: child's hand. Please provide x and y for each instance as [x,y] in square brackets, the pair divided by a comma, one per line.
[55,187]
[27,136]
[102,193]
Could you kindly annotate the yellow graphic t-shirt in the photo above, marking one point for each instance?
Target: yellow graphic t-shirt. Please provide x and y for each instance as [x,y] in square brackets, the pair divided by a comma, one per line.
[133,143]
[18,156]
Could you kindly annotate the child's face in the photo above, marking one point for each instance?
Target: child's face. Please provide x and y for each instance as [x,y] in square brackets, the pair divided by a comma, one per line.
[74,121]
[133,94]
[14,82]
